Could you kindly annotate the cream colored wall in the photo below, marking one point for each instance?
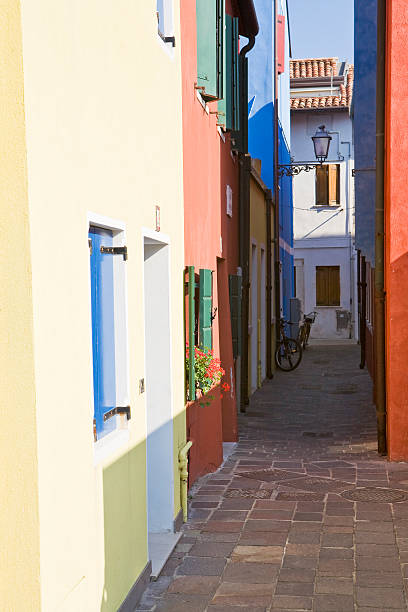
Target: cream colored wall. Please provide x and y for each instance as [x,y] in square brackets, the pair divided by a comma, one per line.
[103,114]
[19,525]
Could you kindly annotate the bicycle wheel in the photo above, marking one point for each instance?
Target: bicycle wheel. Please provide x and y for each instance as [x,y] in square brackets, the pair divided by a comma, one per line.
[288,354]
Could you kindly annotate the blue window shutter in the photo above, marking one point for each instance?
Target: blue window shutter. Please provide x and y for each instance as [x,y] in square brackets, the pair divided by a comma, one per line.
[205,335]
[103,329]
[210,43]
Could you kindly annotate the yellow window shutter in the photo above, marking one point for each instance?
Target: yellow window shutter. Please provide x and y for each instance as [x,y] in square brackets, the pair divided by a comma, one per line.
[321,186]
[334,184]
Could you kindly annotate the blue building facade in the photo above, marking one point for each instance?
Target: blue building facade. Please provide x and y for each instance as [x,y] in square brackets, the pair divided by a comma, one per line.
[364,116]
[261,128]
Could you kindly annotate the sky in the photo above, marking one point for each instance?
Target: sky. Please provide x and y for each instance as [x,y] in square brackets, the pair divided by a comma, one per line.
[322,28]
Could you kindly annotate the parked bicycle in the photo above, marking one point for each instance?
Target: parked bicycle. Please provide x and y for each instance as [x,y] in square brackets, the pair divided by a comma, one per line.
[304,330]
[288,354]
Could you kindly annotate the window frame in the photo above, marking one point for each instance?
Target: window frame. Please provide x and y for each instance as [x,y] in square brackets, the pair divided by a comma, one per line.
[166,31]
[337,303]
[329,201]
[106,444]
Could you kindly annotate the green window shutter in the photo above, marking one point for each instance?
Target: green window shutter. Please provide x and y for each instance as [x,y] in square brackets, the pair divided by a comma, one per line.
[210,45]
[228,107]
[235,292]
[191,332]
[235,75]
[205,309]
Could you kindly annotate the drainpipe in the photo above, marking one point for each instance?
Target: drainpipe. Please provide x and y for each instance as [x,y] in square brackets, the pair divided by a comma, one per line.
[349,232]
[183,464]
[363,313]
[269,289]
[379,293]
[244,218]
[275,174]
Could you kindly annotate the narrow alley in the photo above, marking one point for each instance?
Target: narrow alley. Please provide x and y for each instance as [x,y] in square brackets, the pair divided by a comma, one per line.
[300,516]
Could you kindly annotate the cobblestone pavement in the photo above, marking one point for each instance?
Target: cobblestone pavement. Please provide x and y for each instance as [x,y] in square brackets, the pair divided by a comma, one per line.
[271,529]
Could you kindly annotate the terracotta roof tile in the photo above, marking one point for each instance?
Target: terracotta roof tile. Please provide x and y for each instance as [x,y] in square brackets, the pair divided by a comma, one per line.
[313,67]
[341,95]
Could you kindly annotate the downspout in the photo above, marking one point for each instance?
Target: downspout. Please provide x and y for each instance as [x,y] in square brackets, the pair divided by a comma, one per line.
[244,217]
[183,464]
[275,174]
[269,288]
[379,293]
[363,311]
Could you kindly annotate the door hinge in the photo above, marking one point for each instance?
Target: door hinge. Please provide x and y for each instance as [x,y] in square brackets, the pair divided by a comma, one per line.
[117,410]
[115,251]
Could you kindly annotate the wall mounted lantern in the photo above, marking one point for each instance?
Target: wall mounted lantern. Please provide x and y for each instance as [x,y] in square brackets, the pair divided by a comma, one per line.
[321,144]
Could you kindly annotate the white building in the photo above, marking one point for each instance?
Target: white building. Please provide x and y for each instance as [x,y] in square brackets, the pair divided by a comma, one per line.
[323,198]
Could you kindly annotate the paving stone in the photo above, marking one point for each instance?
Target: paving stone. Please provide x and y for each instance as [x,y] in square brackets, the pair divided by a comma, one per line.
[302,550]
[212,549]
[296,537]
[237,504]
[336,567]
[335,586]
[201,566]
[384,598]
[219,537]
[185,602]
[250,572]
[332,602]
[286,602]
[198,585]
[258,554]
[296,575]
[263,538]
[271,514]
[295,562]
[377,550]
[230,593]
[372,537]
[266,525]
[223,526]
[379,579]
[304,589]
[308,516]
[336,553]
[342,540]
[229,515]
[383,564]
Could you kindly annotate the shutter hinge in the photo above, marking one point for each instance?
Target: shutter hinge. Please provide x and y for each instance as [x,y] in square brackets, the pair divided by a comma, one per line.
[90,245]
[115,251]
[117,410]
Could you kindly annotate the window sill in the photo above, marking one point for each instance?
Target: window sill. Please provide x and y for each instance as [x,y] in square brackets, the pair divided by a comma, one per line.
[326,207]
[106,446]
[338,306]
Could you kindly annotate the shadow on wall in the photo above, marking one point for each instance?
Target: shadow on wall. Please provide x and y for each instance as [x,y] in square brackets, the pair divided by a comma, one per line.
[128,508]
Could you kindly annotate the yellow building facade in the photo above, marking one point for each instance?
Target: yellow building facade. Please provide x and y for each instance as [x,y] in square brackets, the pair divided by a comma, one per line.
[91,138]
[260,201]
